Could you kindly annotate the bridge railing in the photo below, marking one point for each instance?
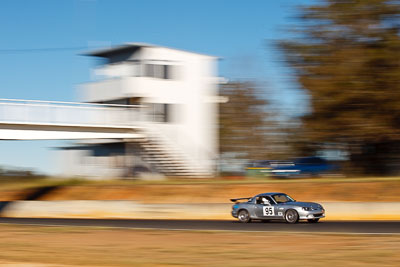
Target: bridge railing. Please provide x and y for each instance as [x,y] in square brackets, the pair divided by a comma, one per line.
[71,113]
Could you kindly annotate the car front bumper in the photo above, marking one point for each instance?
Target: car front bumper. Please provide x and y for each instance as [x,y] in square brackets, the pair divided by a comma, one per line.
[312,214]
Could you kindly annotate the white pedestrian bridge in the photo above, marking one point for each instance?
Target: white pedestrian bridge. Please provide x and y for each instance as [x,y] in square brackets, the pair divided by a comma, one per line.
[52,120]
[49,120]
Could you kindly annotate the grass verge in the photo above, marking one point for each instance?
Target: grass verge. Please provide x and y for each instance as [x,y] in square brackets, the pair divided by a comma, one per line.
[123,247]
[218,190]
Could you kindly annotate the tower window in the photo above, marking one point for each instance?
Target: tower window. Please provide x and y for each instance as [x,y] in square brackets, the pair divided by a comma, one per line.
[158,71]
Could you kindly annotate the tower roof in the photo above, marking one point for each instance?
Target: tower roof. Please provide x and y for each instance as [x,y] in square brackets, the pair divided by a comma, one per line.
[129,47]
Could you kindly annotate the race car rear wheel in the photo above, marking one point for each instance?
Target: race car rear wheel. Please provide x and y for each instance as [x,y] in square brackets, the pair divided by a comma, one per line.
[313,220]
[291,216]
[244,216]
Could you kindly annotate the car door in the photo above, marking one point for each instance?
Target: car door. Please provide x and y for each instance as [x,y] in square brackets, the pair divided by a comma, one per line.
[258,208]
[266,211]
[279,211]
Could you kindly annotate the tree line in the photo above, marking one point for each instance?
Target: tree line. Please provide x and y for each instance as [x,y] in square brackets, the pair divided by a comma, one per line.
[345,54]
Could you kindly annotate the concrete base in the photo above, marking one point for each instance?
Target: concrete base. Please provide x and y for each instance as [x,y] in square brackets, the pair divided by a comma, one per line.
[133,210]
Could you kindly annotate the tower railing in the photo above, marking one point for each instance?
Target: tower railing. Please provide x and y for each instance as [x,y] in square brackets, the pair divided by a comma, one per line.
[17,111]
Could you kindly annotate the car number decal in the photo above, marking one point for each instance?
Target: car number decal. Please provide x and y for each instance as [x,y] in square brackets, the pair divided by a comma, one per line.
[268,211]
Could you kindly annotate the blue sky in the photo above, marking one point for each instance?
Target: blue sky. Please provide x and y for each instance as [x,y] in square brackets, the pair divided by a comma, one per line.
[240,32]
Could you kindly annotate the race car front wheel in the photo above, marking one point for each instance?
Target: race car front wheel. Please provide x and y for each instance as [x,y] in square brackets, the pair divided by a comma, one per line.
[291,216]
[244,216]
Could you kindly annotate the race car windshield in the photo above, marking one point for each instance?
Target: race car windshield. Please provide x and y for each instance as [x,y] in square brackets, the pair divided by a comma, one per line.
[282,198]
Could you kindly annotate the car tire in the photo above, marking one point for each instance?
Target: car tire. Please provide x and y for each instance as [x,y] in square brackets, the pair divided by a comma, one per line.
[313,220]
[244,216]
[291,216]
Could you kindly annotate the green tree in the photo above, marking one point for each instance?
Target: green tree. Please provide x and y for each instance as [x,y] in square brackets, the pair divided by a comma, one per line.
[248,128]
[346,54]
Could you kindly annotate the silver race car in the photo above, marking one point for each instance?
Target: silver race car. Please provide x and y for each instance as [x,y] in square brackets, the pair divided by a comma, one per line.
[276,206]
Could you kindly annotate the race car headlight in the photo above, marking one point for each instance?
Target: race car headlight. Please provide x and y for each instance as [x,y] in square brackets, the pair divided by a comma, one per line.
[306,208]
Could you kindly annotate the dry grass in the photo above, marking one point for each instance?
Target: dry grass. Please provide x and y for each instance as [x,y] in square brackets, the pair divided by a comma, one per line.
[54,246]
[206,191]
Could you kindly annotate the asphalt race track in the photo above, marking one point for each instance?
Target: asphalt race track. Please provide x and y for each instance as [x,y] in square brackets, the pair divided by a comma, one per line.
[361,227]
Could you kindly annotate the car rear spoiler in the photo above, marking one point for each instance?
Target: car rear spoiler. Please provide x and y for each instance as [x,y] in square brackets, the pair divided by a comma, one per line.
[236,199]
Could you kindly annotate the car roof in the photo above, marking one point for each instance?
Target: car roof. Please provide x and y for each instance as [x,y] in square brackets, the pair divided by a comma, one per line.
[269,194]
